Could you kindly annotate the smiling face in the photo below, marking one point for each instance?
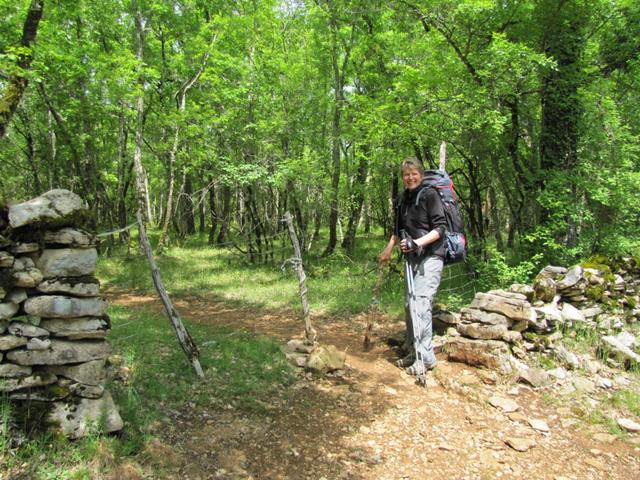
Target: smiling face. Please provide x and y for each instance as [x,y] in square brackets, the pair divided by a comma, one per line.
[412,177]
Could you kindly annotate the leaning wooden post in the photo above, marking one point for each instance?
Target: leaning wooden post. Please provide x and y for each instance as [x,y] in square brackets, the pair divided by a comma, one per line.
[309,331]
[186,342]
[443,156]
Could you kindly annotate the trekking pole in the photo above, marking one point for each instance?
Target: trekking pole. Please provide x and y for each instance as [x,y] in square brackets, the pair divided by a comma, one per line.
[408,273]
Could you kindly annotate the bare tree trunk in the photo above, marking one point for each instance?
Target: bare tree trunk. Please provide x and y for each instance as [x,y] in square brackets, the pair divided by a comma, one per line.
[310,333]
[186,342]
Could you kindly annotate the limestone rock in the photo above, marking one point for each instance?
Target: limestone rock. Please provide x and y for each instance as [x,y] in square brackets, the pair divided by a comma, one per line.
[300,346]
[536,377]
[514,308]
[544,288]
[39,380]
[326,359]
[492,354]
[627,339]
[9,342]
[67,286]
[30,277]
[78,328]
[8,310]
[71,237]
[582,384]
[86,391]
[17,296]
[26,330]
[3,326]
[38,344]
[512,336]
[297,359]
[67,262]
[482,332]
[571,314]
[6,260]
[54,207]
[629,425]
[549,312]
[571,278]
[520,444]
[57,306]
[88,373]
[22,248]
[539,425]
[9,370]
[446,317]
[48,393]
[76,419]
[61,352]
[526,290]
[505,404]
[566,357]
[558,373]
[621,351]
[473,315]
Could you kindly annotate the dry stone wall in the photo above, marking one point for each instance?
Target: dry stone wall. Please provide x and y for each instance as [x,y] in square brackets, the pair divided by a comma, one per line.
[53,322]
[499,328]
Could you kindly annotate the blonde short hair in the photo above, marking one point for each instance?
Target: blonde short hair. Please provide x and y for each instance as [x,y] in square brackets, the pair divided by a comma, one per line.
[412,163]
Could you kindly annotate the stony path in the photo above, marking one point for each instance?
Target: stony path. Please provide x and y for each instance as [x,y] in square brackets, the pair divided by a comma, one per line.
[374,422]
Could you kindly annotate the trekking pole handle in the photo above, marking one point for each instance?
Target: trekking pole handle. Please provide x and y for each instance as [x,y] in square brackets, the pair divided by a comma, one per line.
[410,243]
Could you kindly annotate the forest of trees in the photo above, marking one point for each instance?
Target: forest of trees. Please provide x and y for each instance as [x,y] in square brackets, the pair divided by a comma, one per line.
[218,116]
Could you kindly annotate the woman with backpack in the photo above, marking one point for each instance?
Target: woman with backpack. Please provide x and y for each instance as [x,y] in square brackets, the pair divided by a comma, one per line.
[419,229]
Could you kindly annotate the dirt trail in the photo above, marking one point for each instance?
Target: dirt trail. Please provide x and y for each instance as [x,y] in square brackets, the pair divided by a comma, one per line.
[374,422]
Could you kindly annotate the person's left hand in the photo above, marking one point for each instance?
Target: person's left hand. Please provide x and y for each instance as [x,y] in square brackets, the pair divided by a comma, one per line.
[408,245]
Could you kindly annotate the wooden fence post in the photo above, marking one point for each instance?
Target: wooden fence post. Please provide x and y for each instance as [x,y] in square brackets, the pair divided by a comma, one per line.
[309,331]
[186,342]
[443,156]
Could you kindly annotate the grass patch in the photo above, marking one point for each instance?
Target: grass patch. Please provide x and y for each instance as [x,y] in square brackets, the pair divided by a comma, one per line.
[337,284]
[241,370]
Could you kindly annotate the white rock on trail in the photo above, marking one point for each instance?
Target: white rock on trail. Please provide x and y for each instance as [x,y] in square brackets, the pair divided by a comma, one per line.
[505,404]
[629,425]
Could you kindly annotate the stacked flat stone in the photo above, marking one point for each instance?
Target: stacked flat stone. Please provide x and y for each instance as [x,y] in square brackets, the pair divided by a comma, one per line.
[53,322]
[492,321]
[498,323]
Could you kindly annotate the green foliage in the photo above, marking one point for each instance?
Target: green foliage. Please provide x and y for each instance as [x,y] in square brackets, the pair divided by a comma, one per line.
[495,272]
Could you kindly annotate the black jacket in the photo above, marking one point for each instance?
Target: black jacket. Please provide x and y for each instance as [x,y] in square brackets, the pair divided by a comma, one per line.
[419,219]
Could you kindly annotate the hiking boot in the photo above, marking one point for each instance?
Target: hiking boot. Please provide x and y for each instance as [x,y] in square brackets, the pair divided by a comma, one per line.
[419,368]
[406,360]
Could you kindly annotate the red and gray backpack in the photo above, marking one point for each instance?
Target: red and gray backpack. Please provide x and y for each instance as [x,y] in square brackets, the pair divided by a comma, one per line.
[455,241]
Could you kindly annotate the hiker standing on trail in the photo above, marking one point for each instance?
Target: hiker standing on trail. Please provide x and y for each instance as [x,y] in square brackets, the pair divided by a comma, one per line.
[420,214]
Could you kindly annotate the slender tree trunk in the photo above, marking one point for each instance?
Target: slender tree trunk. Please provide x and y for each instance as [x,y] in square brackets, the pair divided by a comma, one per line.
[226,213]
[356,203]
[189,207]
[213,211]
[142,194]
[124,177]
[17,82]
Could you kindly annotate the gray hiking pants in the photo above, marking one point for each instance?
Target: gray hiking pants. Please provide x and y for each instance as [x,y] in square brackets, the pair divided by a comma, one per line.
[426,281]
